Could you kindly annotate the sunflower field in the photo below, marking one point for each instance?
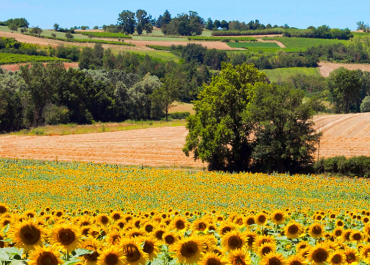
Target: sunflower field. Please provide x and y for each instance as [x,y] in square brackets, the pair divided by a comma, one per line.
[99,214]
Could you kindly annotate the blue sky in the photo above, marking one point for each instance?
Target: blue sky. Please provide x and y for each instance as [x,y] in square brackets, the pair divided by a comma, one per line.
[301,14]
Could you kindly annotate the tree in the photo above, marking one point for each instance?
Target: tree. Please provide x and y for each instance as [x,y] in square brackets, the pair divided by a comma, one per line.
[218,133]
[224,25]
[362,26]
[13,27]
[344,86]
[209,25]
[164,96]
[56,27]
[217,24]
[126,20]
[243,123]
[69,36]
[143,22]
[285,138]
[36,31]
[53,35]
[365,105]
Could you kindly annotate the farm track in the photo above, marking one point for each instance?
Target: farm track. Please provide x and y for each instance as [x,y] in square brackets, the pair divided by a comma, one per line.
[346,134]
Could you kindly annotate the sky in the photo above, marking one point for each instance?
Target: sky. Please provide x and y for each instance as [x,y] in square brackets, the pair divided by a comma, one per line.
[300,14]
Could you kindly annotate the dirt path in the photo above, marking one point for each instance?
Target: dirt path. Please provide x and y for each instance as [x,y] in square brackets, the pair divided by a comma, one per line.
[326,68]
[15,67]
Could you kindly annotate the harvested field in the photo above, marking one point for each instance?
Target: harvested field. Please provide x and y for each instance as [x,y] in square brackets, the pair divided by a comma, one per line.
[326,68]
[346,134]
[153,147]
[28,39]
[15,67]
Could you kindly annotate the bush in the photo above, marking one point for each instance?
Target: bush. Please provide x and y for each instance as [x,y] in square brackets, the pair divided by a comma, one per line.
[365,105]
[353,167]
[54,115]
[179,115]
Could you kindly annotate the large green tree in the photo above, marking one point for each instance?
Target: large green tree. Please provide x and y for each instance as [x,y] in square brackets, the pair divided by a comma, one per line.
[244,123]
[126,19]
[344,86]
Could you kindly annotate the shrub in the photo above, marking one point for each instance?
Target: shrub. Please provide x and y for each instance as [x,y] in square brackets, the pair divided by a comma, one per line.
[179,115]
[365,105]
[356,166]
[54,115]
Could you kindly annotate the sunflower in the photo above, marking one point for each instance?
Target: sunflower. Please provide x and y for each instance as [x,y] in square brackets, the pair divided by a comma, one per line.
[365,252]
[189,250]
[261,240]
[319,255]
[316,230]
[116,215]
[296,260]
[149,227]
[226,227]
[273,259]
[356,236]
[293,230]
[111,256]
[212,259]
[239,257]
[234,240]
[347,235]
[210,242]
[352,256]
[103,219]
[27,235]
[3,208]
[113,237]
[93,245]
[337,258]
[150,246]
[199,225]
[158,233]
[337,232]
[339,223]
[250,220]
[133,252]
[266,248]
[170,238]
[179,224]
[66,237]
[251,238]
[278,217]
[136,233]
[44,256]
[261,219]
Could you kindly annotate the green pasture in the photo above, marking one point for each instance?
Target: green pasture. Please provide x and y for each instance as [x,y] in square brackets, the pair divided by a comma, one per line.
[282,74]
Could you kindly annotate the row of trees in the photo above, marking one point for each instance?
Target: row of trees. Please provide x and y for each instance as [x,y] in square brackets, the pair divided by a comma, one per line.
[322,32]
[19,22]
[39,95]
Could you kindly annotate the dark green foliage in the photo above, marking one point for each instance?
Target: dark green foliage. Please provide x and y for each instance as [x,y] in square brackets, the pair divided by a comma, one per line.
[344,86]
[365,105]
[71,53]
[69,36]
[353,167]
[322,32]
[13,27]
[19,22]
[242,123]
[247,32]
[179,115]
[126,19]
[107,35]
[184,25]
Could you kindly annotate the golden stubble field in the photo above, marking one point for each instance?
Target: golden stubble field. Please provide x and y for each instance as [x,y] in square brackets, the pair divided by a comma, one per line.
[346,134]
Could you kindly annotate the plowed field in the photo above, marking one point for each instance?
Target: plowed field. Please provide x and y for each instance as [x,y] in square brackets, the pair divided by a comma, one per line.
[347,134]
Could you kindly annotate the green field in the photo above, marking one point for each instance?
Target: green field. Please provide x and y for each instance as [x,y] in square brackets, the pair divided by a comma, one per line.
[304,43]
[163,55]
[158,38]
[11,58]
[282,74]
[258,45]
[106,35]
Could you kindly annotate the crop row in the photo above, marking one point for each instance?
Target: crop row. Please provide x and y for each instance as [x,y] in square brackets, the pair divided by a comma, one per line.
[202,38]
[11,58]
[106,35]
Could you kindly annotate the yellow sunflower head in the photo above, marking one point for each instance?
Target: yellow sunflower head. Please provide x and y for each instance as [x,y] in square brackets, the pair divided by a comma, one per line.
[93,245]
[150,246]
[113,237]
[179,223]
[170,238]
[261,219]
[234,240]
[27,235]
[265,249]
[112,255]
[296,260]
[134,255]
[3,208]
[210,242]
[316,230]
[261,240]
[103,219]
[293,230]
[44,256]
[319,254]
[250,220]
[200,225]
[66,237]
[365,252]
[226,227]
[337,258]
[189,250]
[278,217]
[352,256]
[273,259]
[212,259]
[239,257]
[357,236]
